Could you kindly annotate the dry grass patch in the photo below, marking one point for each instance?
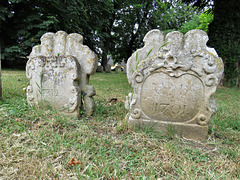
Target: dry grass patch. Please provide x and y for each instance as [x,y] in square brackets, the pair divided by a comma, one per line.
[39,143]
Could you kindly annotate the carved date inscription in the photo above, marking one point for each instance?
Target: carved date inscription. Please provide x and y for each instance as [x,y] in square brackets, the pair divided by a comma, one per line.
[49,93]
[171,99]
[57,83]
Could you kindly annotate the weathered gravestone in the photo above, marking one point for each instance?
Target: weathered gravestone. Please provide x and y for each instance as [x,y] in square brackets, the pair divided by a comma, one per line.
[108,68]
[173,77]
[59,71]
[118,69]
[124,69]
[100,69]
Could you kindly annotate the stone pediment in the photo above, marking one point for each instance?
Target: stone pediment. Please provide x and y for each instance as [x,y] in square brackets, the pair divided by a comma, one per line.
[174,77]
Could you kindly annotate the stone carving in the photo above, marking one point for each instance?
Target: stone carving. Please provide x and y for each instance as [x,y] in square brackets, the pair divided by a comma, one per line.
[100,69]
[108,68]
[124,69]
[59,70]
[89,104]
[117,69]
[174,77]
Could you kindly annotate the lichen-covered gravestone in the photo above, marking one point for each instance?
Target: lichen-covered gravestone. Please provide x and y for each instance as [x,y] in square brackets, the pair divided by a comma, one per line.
[100,69]
[118,69]
[108,68]
[59,71]
[174,77]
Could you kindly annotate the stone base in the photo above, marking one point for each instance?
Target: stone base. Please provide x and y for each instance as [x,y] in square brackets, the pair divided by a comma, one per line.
[45,105]
[188,131]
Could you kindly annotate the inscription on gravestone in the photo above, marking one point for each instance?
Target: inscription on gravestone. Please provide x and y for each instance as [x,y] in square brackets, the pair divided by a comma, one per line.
[172,100]
[173,77]
[55,80]
[59,70]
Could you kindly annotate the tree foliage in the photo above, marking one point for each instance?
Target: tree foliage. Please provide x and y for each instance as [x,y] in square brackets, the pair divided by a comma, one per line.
[22,27]
[201,21]
[205,19]
[137,17]
[224,36]
[114,27]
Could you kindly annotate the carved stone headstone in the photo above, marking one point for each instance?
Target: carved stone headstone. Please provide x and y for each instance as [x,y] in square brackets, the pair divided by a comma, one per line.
[124,69]
[117,69]
[100,69]
[108,68]
[173,77]
[59,71]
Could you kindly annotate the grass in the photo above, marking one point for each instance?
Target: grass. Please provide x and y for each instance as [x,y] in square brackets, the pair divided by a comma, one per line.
[38,143]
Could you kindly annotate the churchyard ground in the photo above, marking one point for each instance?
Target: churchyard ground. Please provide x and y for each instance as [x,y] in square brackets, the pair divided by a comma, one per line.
[39,143]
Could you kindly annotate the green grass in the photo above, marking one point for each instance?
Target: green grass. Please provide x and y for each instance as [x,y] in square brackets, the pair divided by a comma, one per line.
[39,143]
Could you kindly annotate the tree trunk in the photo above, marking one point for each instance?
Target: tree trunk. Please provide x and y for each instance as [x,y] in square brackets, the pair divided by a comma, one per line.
[224,33]
[238,74]
[223,79]
[104,59]
[108,39]
[0,76]
[106,50]
[140,23]
[131,43]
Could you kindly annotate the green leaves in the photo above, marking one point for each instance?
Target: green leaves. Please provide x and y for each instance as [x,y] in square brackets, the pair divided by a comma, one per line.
[108,27]
[198,22]
[13,49]
[136,18]
[205,19]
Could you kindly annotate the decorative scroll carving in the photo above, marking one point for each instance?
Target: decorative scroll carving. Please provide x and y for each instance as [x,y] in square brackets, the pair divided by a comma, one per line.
[175,78]
[89,104]
[211,80]
[202,119]
[55,74]
[136,113]
[139,77]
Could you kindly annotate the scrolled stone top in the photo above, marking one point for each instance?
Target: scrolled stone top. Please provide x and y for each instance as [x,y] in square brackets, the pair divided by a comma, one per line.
[63,44]
[153,36]
[175,51]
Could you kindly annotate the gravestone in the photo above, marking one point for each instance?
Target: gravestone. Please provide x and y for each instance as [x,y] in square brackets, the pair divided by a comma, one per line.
[124,69]
[173,77]
[59,70]
[100,69]
[118,69]
[108,68]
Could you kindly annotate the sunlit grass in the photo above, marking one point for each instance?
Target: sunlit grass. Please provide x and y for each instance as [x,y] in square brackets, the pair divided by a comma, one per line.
[39,143]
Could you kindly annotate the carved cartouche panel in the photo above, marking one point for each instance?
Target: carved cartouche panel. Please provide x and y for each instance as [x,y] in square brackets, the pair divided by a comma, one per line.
[171,99]
[55,79]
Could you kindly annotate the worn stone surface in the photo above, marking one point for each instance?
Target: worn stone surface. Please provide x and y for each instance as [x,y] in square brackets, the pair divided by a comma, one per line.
[89,104]
[174,77]
[56,81]
[100,69]
[108,68]
[59,70]
[117,69]
[124,69]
